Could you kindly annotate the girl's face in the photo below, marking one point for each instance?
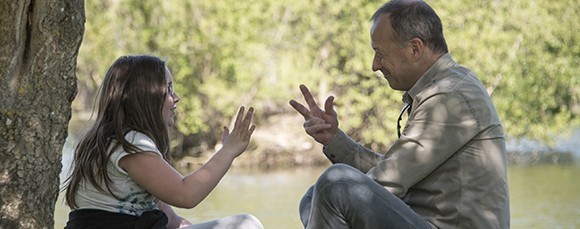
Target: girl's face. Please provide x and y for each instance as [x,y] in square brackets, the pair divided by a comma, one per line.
[171,100]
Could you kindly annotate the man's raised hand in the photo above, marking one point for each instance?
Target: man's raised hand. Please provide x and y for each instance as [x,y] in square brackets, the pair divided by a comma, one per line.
[322,125]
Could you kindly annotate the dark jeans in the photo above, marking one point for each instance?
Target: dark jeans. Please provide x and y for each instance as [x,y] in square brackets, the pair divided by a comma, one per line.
[344,197]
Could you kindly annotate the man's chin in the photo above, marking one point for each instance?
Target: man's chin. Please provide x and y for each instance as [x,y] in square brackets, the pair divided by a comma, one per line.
[393,86]
[396,87]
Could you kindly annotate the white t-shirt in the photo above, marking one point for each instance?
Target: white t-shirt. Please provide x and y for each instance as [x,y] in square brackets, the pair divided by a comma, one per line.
[133,200]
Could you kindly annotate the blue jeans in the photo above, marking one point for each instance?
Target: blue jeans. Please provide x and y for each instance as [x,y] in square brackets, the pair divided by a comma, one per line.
[344,197]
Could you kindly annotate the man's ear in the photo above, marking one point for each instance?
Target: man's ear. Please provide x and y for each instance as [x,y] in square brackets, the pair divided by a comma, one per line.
[417,48]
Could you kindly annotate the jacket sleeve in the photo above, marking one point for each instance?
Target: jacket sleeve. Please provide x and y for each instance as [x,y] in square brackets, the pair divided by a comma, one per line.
[342,149]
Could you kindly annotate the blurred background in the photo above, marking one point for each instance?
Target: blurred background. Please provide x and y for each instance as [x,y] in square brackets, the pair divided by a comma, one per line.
[224,54]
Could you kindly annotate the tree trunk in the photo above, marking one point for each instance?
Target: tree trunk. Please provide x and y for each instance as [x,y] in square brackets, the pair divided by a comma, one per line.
[39,42]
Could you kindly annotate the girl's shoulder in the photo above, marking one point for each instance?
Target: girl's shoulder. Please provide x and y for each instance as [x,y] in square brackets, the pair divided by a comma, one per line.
[141,141]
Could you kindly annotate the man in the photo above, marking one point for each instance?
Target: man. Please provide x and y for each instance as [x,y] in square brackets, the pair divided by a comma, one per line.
[448,167]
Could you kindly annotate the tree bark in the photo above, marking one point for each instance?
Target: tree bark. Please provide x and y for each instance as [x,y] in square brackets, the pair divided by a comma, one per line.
[39,46]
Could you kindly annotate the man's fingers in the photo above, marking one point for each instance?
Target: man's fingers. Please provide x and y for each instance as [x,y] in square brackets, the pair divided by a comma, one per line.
[301,109]
[314,121]
[329,106]
[314,129]
[309,98]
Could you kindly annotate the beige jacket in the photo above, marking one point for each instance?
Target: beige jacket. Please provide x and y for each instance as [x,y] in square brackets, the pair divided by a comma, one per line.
[449,165]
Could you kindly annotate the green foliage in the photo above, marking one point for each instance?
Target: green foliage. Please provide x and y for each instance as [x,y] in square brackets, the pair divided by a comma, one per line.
[256,53]
[529,51]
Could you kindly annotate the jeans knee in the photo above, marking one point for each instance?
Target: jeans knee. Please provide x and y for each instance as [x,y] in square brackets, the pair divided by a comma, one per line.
[339,173]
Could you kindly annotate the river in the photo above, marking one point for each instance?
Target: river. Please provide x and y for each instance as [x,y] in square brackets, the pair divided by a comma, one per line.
[542,196]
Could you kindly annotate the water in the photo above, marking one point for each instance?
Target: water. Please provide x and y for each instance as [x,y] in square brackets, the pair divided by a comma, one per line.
[545,196]
[542,196]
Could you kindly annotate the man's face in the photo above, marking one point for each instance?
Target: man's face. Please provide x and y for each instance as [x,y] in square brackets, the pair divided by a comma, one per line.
[392,57]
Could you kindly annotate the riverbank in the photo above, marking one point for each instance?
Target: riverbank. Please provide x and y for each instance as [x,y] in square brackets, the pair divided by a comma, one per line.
[280,142]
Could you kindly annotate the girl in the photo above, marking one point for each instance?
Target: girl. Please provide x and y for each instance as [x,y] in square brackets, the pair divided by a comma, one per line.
[120,177]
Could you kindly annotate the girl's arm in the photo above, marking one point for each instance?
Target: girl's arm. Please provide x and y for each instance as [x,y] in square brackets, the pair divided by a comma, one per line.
[160,179]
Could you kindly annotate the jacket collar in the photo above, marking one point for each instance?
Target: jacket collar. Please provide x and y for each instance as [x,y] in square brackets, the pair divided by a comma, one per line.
[444,62]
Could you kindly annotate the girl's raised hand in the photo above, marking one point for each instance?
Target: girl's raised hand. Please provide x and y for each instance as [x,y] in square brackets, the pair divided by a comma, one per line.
[237,141]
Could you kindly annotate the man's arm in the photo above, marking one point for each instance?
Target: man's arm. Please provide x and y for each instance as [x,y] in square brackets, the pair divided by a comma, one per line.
[343,149]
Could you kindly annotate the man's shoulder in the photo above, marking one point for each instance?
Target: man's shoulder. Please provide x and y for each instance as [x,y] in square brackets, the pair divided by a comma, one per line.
[455,78]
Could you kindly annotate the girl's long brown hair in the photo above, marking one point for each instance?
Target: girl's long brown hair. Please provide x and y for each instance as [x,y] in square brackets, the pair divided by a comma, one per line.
[131,98]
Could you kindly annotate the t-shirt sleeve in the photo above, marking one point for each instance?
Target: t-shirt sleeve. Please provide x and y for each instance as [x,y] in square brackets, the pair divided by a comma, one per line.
[141,141]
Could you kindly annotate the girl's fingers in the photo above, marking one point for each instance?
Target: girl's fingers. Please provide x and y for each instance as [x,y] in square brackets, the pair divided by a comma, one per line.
[240,116]
[250,131]
[248,118]
[243,121]
[226,133]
